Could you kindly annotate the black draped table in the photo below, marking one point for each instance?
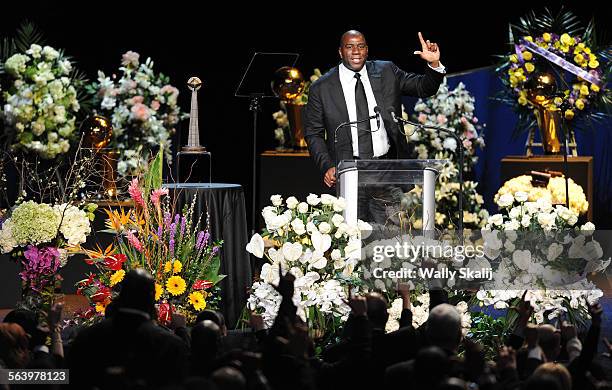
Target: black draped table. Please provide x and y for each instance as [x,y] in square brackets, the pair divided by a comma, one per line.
[226,208]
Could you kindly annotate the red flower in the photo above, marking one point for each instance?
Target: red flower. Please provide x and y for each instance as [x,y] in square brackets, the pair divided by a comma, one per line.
[115,262]
[202,285]
[164,313]
[102,294]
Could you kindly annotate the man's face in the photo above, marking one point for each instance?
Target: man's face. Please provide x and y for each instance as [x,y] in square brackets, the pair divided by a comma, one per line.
[354,52]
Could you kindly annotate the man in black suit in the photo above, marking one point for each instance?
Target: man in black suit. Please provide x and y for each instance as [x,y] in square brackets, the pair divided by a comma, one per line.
[351,91]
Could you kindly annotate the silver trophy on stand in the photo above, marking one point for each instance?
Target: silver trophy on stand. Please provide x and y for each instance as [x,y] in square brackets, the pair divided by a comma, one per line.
[194,163]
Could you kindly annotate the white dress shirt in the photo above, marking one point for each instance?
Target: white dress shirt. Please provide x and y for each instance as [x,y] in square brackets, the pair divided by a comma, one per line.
[380,140]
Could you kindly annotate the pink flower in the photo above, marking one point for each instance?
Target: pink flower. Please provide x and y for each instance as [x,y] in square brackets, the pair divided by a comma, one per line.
[441,119]
[133,240]
[475,120]
[130,59]
[156,194]
[135,192]
[463,120]
[155,105]
[140,112]
[135,100]
[422,118]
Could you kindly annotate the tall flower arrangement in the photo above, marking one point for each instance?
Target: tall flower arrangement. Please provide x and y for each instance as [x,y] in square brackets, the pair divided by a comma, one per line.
[453,109]
[40,101]
[183,259]
[142,105]
[312,241]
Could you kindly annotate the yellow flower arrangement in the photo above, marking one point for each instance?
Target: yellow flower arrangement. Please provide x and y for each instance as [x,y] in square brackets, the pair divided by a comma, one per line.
[176,285]
[158,291]
[553,192]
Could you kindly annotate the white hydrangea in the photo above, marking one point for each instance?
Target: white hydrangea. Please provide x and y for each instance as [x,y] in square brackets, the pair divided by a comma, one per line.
[75,225]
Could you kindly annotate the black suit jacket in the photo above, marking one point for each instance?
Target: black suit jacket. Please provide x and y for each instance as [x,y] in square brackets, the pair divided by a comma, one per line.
[326,110]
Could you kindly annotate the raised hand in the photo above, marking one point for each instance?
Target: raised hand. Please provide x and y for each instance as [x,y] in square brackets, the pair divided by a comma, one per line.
[429,51]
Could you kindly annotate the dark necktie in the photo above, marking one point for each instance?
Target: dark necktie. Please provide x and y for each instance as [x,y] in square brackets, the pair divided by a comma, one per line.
[366,150]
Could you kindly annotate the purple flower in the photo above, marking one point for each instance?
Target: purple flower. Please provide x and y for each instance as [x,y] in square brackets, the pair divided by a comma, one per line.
[215,250]
[183,224]
[159,231]
[202,239]
[38,264]
[171,247]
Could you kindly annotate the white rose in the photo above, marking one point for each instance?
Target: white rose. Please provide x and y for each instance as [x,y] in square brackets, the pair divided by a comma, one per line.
[515,212]
[336,254]
[311,228]
[324,227]
[544,204]
[532,207]
[313,200]
[298,226]
[337,220]
[292,202]
[327,199]
[521,196]
[505,200]
[546,220]
[496,219]
[522,259]
[512,225]
[302,207]
[317,260]
[256,246]
[572,220]
[588,229]
[277,200]
[526,221]
[339,205]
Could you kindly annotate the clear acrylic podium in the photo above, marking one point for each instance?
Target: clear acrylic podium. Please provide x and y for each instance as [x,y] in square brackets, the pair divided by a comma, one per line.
[357,176]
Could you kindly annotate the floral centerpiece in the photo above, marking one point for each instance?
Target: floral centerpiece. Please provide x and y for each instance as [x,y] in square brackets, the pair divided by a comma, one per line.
[553,192]
[556,43]
[143,109]
[38,236]
[311,240]
[40,101]
[539,248]
[453,109]
[183,259]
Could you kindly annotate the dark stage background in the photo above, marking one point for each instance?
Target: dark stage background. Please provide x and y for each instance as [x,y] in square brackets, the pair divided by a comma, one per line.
[216,40]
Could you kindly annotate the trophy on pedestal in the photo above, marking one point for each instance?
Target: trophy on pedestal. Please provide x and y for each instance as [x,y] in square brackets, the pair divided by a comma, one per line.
[193,161]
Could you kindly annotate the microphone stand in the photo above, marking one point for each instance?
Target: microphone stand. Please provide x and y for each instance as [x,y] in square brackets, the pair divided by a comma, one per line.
[255,108]
[418,126]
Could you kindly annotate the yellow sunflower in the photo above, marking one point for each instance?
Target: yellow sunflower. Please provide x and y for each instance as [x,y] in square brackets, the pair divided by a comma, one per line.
[100,307]
[197,300]
[117,277]
[176,285]
[158,291]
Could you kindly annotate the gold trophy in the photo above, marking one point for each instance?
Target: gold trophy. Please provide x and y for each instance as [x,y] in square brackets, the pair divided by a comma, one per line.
[541,88]
[97,132]
[288,85]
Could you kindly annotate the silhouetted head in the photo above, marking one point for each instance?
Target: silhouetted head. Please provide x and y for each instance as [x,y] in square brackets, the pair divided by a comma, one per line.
[558,371]
[205,339]
[229,378]
[13,346]
[430,366]
[353,50]
[549,339]
[542,381]
[215,317]
[444,327]
[377,310]
[28,320]
[138,292]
